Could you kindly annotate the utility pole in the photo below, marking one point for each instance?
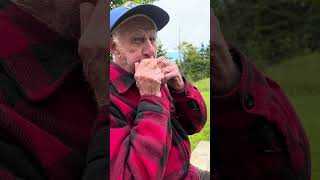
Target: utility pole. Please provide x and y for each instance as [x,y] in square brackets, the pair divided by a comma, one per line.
[179,47]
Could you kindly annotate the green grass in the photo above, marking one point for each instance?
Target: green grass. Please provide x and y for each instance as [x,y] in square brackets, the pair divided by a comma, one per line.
[299,78]
[308,109]
[203,85]
[204,134]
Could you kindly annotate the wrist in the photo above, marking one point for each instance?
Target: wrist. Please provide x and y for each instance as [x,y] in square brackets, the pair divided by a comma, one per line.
[148,87]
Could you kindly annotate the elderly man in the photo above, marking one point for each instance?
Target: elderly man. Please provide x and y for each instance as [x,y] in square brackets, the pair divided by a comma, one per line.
[153,108]
[50,126]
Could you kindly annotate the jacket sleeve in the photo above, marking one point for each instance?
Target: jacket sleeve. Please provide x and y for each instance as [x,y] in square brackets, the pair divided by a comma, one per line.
[257,133]
[140,150]
[191,109]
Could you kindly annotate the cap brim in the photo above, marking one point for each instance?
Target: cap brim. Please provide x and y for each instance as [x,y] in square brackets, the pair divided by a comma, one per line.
[158,15]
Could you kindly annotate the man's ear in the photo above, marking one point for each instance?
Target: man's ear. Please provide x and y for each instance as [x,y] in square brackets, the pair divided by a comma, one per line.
[114,50]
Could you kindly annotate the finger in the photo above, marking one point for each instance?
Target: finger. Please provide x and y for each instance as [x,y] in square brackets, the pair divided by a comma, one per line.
[160,77]
[153,64]
[136,66]
[86,10]
[168,69]
[157,71]
[144,64]
[163,60]
[150,63]
[171,75]
[161,64]
[145,61]
[95,31]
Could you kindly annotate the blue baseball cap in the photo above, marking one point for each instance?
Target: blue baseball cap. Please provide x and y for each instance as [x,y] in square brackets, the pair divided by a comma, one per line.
[129,9]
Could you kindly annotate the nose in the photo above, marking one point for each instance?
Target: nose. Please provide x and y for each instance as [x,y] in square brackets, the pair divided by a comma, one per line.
[149,50]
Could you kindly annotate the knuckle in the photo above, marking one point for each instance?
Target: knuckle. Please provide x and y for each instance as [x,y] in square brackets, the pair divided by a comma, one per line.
[144,61]
[153,63]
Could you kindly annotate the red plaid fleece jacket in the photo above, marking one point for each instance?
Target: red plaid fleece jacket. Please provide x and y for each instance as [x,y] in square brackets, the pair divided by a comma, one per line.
[50,127]
[148,134]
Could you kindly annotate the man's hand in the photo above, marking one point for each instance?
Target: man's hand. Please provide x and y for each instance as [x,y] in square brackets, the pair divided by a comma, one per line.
[93,47]
[171,73]
[226,74]
[148,77]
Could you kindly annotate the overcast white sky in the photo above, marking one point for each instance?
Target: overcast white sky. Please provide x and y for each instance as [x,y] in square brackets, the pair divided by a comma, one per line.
[193,18]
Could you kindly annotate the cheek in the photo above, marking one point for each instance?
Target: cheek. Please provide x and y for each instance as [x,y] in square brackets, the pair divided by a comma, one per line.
[132,58]
[133,54]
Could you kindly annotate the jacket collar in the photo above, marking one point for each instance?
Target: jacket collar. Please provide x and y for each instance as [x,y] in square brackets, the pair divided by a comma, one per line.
[120,79]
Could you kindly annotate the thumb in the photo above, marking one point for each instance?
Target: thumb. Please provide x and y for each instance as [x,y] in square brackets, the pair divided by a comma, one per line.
[86,9]
[136,66]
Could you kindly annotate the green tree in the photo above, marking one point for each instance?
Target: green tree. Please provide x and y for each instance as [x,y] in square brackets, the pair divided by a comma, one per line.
[161,50]
[268,30]
[204,51]
[196,62]
[117,3]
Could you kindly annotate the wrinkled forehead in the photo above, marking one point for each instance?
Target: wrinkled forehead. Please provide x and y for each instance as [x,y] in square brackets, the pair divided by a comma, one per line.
[136,25]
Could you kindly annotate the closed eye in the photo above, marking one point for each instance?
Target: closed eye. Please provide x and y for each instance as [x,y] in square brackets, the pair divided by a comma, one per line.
[138,40]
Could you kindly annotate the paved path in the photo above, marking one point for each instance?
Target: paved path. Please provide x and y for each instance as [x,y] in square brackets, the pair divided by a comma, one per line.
[200,156]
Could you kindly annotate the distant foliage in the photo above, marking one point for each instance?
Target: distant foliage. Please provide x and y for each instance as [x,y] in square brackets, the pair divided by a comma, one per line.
[268,30]
[195,62]
[117,3]
[161,51]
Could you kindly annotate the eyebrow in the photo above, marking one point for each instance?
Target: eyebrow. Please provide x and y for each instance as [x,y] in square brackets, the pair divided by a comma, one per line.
[139,33]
